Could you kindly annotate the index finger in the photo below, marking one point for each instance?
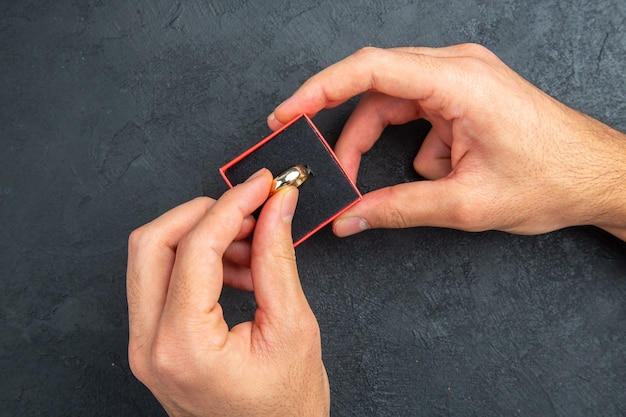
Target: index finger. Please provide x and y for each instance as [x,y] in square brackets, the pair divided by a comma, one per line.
[151,256]
[197,275]
[409,73]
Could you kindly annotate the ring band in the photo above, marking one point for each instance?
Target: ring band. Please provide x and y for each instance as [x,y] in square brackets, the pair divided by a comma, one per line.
[295,176]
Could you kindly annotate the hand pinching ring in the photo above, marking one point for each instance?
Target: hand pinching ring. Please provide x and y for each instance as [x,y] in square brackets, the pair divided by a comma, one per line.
[295,175]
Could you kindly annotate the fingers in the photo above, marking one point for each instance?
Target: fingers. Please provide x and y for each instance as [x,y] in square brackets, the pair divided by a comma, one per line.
[433,159]
[372,115]
[403,84]
[238,253]
[237,258]
[369,69]
[277,288]
[237,265]
[422,203]
[402,73]
[151,254]
[246,228]
[197,276]
[237,276]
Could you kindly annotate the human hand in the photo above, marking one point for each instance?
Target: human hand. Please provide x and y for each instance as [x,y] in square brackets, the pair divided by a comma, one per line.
[501,154]
[180,347]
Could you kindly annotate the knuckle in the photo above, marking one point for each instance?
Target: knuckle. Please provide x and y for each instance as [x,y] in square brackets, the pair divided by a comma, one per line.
[308,328]
[478,58]
[205,202]
[477,51]
[367,53]
[136,361]
[163,359]
[149,234]
[420,161]
[367,50]
[137,238]
[474,49]
[143,237]
[476,66]
[313,329]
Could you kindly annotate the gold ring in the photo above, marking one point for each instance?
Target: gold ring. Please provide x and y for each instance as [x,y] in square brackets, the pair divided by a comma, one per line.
[295,176]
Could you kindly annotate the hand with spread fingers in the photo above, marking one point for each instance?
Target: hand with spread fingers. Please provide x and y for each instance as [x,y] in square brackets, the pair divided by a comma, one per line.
[180,347]
[501,153]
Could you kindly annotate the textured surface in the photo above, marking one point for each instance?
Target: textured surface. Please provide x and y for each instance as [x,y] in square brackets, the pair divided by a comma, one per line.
[112,113]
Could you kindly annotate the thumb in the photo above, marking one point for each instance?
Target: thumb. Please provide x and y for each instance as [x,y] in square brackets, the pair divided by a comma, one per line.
[420,203]
[275,278]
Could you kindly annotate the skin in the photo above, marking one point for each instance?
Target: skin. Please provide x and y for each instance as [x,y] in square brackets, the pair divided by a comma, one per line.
[180,346]
[501,154]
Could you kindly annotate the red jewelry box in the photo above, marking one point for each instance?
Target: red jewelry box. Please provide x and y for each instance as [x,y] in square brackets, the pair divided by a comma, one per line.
[327,192]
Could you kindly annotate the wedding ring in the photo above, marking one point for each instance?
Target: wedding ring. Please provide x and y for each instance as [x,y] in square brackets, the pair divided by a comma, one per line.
[295,176]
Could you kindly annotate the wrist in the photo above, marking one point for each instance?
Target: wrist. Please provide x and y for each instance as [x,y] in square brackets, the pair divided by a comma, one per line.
[605,184]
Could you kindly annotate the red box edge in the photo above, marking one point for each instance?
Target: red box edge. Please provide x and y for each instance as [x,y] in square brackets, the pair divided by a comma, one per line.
[322,225]
[330,150]
[255,147]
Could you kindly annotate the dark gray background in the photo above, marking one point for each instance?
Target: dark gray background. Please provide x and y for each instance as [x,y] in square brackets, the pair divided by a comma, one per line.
[113,112]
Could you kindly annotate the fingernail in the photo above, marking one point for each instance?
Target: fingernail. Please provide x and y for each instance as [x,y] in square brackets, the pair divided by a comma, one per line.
[256,175]
[288,203]
[350,226]
[274,123]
